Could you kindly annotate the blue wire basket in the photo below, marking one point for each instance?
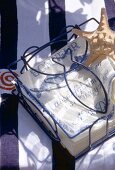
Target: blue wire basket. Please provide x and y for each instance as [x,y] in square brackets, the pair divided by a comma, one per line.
[49,123]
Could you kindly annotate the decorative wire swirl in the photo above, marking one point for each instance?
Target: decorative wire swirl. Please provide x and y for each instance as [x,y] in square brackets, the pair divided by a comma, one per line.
[38,49]
[55,40]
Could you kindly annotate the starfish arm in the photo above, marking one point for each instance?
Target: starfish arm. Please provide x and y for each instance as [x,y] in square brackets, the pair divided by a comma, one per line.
[91,59]
[103,20]
[101,41]
[113,57]
[84,34]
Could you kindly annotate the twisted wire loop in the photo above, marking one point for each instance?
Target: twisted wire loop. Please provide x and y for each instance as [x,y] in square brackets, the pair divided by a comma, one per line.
[37,49]
[34,50]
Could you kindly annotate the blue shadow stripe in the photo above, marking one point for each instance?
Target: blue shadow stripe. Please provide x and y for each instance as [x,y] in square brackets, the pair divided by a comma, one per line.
[9,33]
[9,150]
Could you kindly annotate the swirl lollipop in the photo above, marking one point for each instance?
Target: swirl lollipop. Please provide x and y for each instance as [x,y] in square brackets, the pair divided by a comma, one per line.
[6,81]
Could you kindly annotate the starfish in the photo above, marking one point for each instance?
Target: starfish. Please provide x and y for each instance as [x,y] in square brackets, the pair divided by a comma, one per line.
[101,41]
